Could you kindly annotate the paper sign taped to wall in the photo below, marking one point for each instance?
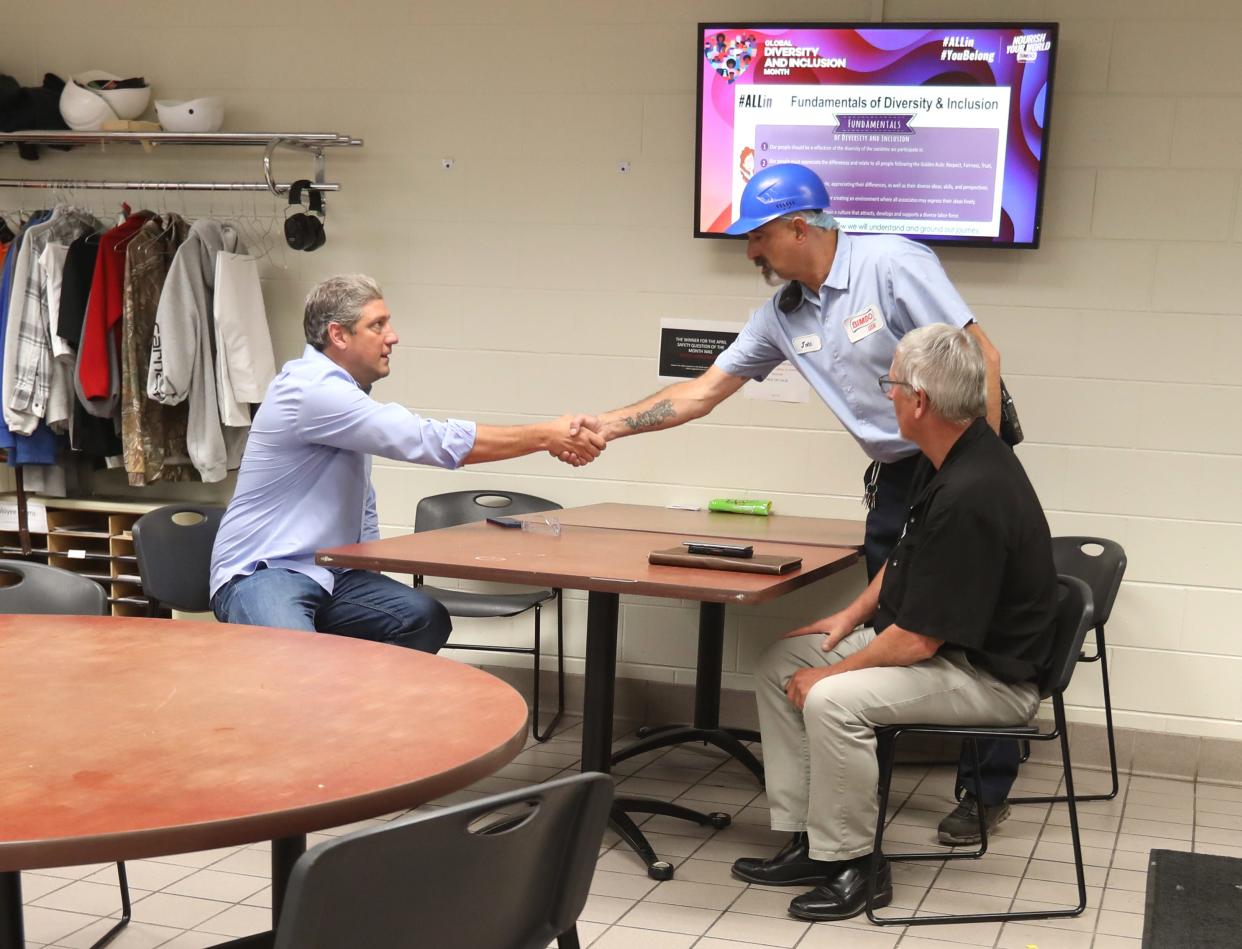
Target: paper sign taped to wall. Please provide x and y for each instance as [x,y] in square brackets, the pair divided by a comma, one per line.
[783,384]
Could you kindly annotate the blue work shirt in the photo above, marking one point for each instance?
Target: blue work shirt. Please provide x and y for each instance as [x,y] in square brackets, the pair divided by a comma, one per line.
[305,480]
[844,347]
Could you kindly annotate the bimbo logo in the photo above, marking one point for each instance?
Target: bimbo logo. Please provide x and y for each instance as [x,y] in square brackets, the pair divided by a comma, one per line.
[775,201]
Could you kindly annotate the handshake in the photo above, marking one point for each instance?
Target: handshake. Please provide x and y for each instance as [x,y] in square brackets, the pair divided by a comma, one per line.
[575,439]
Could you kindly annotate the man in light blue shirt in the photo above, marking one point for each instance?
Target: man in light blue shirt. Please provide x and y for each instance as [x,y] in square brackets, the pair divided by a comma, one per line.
[848,301]
[305,480]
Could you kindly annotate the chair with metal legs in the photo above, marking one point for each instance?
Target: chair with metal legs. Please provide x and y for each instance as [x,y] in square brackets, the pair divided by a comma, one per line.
[465,507]
[40,589]
[1074,619]
[510,871]
[1100,563]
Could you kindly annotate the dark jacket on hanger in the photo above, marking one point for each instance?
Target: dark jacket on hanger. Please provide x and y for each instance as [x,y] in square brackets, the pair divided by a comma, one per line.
[87,433]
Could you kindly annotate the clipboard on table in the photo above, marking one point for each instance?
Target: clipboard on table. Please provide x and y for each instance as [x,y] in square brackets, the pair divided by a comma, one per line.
[759,563]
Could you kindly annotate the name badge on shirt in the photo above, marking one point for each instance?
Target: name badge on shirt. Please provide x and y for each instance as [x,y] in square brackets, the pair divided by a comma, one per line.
[806,344]
[863,323]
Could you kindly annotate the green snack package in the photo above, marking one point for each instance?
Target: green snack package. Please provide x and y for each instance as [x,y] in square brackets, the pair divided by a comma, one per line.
[740,506]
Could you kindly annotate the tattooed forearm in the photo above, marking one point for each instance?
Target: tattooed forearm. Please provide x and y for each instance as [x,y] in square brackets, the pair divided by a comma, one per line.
[651,418]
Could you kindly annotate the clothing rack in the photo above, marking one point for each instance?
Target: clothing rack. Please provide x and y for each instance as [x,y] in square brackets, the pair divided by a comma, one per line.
[307,143]
[311,143]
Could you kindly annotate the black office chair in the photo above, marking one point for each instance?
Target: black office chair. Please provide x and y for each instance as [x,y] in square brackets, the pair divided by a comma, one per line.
[456,878]
[1074,619]
[464,507]
[42,589]
[173,544]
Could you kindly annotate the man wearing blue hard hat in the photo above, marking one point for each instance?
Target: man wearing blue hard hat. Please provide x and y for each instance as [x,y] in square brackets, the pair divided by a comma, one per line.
[845,302]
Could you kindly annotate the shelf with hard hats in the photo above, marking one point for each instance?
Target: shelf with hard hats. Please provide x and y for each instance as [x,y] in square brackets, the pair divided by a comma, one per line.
[312,143]
[294,139]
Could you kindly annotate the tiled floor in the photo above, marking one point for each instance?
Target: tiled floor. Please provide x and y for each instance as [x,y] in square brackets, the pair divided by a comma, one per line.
[200,899]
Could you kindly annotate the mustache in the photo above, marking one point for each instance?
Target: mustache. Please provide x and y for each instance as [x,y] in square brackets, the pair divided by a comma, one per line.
[769,275]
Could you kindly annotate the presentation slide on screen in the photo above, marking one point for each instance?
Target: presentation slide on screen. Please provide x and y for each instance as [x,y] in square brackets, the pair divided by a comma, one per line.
[932,132]
[895,160]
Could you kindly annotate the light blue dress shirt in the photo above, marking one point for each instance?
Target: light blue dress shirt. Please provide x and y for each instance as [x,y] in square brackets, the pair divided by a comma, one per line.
[907,285]
[305,480]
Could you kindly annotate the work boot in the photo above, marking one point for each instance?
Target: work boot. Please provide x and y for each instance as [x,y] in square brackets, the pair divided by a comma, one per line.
[961,828]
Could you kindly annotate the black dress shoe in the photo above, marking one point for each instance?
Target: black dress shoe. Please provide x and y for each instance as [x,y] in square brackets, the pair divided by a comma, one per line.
[845,895]
[790,867]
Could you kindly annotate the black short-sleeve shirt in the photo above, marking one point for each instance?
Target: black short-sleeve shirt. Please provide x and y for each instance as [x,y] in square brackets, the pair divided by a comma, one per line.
[974,564]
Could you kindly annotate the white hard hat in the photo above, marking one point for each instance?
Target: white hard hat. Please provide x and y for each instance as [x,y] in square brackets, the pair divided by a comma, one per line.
[194,115]
[128,102]
[82,109]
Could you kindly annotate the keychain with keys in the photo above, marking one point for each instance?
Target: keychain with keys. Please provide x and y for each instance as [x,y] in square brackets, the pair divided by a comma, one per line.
[871,483]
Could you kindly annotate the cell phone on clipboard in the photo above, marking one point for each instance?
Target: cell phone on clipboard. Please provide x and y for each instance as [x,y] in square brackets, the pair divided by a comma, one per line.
[741,551]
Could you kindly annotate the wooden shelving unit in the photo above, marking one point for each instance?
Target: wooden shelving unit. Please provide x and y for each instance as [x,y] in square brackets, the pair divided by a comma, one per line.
[91,538]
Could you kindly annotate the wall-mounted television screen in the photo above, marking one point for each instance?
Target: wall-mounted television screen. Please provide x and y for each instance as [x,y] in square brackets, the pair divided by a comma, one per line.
[936,131]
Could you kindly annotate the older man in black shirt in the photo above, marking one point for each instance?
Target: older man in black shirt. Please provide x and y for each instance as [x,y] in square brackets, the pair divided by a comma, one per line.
[960,625]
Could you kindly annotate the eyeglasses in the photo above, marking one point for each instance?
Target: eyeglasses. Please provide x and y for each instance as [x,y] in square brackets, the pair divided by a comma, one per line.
[887,383]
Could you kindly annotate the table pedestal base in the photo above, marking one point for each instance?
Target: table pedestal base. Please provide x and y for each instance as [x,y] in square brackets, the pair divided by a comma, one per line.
[601,670]
[706,727]
[728,740]
[627,830]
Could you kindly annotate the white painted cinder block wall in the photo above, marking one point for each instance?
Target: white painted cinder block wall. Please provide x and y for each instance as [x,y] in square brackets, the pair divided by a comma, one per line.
[530,279]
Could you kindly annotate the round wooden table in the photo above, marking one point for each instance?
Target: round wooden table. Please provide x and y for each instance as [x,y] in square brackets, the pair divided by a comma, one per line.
[123,738]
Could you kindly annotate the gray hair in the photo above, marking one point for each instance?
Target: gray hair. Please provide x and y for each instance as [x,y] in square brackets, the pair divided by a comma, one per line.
[338,299]
[821,219]
[947,365]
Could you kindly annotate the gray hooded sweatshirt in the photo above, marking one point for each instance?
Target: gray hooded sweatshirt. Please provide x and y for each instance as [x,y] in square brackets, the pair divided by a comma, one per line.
[182,360]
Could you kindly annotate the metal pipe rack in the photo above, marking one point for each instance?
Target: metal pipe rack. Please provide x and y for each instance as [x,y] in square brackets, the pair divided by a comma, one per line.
[312,143]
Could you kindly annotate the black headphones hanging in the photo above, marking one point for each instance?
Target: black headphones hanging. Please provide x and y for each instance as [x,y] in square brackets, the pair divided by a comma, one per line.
[304,231]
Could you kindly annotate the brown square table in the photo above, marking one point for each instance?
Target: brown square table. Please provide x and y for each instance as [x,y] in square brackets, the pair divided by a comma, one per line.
[125,738]
[712,525]
[776,528]
[606,564]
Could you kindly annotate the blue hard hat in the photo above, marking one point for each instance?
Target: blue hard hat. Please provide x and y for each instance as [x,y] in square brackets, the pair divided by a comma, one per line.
[777,190]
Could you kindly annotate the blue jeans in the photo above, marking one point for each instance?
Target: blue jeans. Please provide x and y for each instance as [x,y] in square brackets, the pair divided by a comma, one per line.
[363,605]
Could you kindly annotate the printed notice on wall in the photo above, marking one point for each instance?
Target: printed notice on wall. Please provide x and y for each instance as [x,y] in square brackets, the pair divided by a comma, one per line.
[689,347]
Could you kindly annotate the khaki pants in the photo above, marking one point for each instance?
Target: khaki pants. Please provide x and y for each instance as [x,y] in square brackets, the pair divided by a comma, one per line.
[820,762]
